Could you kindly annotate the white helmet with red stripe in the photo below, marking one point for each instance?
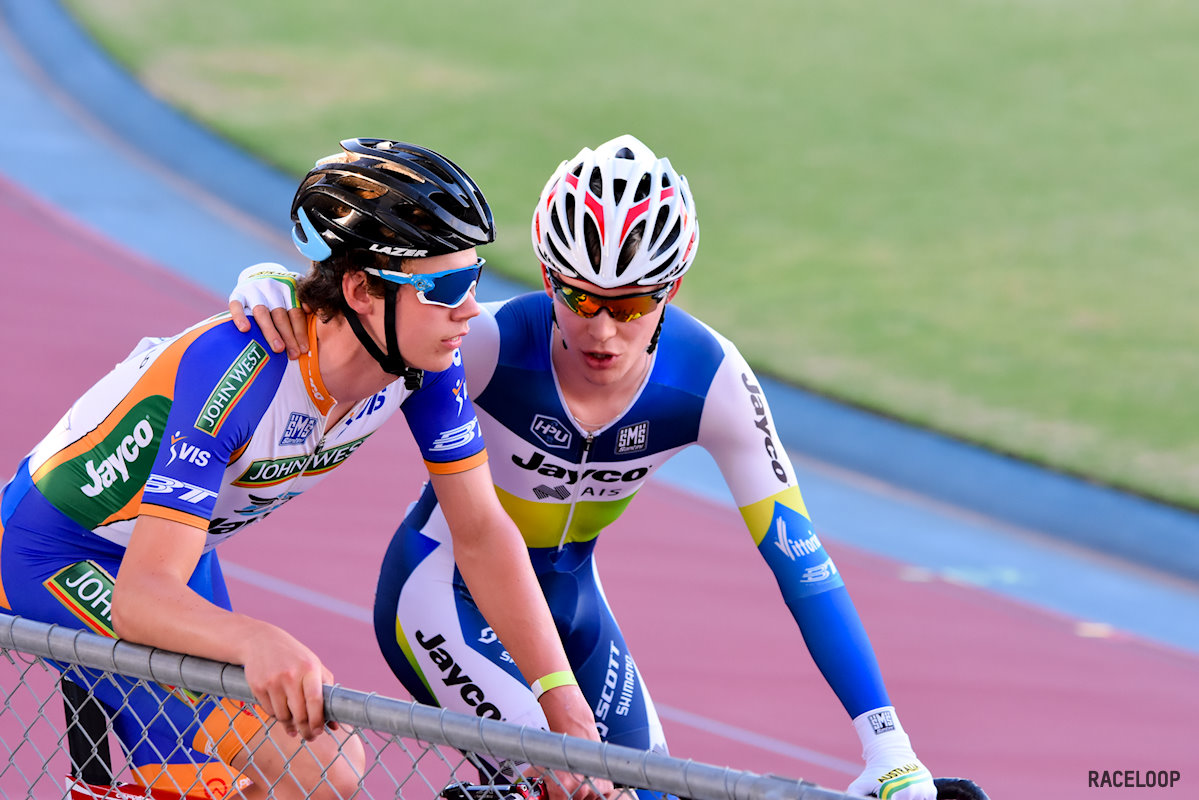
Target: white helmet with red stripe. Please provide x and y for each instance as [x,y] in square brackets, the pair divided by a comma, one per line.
[616,216]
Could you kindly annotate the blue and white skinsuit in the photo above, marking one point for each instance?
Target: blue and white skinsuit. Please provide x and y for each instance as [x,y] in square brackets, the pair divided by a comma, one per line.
[563,485]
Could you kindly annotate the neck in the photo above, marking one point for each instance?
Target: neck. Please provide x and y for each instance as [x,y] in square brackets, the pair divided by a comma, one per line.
[348,371]
[594,404]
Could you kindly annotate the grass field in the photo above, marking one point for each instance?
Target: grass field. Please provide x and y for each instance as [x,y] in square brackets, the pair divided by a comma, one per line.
[975,215]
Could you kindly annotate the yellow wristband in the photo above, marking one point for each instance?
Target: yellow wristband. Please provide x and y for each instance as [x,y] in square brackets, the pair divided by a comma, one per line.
[553,681]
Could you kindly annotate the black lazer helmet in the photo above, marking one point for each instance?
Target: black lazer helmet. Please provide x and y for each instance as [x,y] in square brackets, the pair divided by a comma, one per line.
[389,197]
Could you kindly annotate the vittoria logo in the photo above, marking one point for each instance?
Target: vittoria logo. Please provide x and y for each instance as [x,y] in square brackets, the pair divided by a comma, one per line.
[551,431]
[632,438]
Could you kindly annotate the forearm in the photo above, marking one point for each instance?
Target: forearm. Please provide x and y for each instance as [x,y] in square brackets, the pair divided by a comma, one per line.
[159,611]
[496,568]
[840,648]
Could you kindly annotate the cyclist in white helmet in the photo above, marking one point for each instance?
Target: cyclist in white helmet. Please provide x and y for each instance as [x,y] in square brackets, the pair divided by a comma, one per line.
[582,391]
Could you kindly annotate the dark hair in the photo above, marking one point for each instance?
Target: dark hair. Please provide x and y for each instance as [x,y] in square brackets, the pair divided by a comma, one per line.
[320,289]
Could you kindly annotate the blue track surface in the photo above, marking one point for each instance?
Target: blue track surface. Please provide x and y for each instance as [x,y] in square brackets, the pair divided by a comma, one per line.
[81,135]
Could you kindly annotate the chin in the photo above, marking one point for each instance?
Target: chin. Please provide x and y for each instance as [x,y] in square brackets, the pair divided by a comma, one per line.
[433,363]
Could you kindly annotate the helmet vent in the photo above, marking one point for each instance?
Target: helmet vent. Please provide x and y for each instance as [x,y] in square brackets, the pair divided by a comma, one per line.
[570,219]
[628,250]
[618,187]
[625,152]
[591,239]
[597,182]
[670,239]
[642,189]
[558,257]
[660,222]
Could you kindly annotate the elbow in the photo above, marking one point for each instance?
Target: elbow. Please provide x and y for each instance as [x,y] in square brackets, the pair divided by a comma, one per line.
[124,612]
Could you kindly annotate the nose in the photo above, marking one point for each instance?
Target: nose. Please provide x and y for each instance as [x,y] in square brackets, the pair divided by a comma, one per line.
[602,326]
[469,309]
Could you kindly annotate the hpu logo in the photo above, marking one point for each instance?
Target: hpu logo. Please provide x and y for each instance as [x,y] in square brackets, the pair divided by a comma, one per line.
[550,431]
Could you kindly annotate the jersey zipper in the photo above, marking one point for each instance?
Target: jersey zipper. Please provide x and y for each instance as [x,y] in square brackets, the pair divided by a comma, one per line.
[570,515]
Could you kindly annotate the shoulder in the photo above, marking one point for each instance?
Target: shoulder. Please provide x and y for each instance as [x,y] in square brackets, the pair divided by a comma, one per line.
[690,353]
[521,330]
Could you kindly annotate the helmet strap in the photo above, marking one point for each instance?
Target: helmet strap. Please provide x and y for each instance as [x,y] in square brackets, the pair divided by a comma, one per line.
[391,361]
[653,343]
[554,321]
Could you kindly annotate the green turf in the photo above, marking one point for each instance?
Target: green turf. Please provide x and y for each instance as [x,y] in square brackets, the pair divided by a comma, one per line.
[977,215]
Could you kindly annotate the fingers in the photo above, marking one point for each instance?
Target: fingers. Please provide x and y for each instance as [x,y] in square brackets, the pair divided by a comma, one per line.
[570,786]
[314,706]
[299,327]
[296,702]
[265,318]
[239,316]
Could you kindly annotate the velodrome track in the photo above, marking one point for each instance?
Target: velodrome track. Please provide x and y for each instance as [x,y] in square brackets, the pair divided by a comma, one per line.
[980,625]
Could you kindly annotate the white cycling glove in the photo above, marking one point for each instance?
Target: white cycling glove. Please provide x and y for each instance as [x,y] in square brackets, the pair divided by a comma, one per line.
[892,770]
[265,284]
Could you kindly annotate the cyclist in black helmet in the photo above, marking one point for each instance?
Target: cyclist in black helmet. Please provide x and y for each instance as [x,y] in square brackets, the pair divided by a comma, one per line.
[112,521]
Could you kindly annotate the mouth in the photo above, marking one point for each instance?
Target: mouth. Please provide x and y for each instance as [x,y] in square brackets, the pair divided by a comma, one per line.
[598,359]
[455,340]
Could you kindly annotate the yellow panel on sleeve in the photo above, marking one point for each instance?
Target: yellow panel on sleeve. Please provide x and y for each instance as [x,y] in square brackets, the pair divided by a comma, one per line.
[758,516]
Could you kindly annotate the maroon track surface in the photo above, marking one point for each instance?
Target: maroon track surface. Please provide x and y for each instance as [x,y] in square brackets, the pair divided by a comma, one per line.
[1001,692]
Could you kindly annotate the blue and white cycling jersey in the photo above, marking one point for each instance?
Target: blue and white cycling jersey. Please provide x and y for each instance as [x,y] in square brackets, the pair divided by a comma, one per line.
[212,429]
[207,428]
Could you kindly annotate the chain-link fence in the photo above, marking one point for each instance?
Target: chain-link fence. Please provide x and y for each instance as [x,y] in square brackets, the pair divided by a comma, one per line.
[51,728]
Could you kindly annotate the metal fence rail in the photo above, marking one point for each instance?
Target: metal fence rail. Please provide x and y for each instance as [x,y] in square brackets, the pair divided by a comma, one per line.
[412,750]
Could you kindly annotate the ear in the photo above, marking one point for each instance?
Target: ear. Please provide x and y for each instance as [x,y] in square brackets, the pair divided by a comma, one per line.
[354,288]
[674,290]
[545,280]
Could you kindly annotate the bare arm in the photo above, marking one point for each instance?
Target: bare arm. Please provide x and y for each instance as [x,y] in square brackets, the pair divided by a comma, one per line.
[153,605]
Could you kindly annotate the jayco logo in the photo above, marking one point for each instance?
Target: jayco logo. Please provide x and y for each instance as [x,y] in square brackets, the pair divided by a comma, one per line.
[116,464]
[454,676]
[763,424]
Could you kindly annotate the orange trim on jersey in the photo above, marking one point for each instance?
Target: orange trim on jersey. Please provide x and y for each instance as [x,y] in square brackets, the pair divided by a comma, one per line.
[236,454]
[212,781]
[174,515]
[3,594]
[159,380]
[229,728]
[310,368]
[453,467]
[125,512]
